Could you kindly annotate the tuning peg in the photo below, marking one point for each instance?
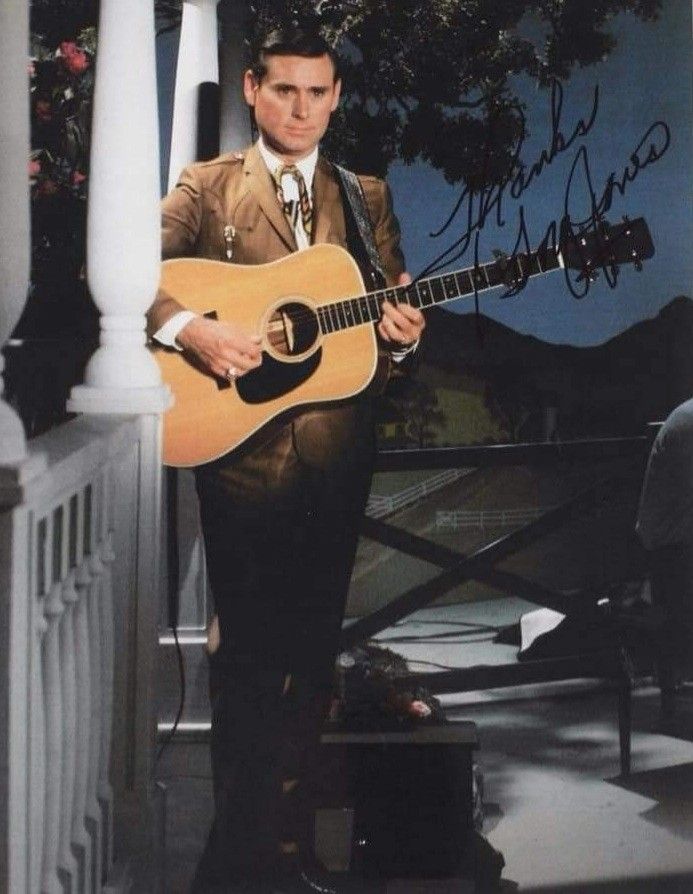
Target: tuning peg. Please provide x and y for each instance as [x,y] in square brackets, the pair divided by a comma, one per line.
[504,266]
[637,263]
[588,274]
[626,221]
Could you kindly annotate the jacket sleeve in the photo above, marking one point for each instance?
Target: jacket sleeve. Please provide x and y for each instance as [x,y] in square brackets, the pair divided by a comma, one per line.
[181,216]
[387,241]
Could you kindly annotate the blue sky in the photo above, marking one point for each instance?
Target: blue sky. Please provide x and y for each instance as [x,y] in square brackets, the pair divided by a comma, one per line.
[646,79]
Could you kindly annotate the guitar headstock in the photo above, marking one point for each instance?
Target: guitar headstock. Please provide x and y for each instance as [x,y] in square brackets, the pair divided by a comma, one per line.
[607,246]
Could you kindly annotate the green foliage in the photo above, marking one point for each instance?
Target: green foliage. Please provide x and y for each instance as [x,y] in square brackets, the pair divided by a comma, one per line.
[513,398]
[168,14]
[58,20]
[418,404]
[430,81]
[433,81]
[62,83]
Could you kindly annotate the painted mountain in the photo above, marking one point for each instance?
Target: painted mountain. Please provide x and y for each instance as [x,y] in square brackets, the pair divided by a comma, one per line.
[480,382]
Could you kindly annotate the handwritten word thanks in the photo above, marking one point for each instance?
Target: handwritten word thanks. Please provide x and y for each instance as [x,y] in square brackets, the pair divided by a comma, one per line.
[475,208]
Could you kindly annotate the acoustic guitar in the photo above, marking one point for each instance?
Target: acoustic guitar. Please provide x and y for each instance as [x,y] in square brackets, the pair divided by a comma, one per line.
[316,324]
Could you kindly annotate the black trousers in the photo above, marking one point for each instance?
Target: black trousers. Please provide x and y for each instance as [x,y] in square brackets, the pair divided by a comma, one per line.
[672,590]
[279,571]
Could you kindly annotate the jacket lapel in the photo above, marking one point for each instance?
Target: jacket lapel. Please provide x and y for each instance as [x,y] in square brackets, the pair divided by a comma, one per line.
[260,185]
[328,222]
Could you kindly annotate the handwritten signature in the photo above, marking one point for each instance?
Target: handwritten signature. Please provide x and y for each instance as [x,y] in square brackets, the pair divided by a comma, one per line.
[475,208]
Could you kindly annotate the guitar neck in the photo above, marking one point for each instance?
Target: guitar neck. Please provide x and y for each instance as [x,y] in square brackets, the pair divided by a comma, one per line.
[362,309]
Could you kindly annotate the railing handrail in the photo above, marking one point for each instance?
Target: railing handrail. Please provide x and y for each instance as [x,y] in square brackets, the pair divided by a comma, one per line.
[73,452]
[488,455]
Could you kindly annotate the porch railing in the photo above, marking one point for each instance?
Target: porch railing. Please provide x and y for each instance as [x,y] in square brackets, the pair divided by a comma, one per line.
[79,634]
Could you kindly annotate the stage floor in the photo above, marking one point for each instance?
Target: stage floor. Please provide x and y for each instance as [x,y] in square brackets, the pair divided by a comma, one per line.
[554,804]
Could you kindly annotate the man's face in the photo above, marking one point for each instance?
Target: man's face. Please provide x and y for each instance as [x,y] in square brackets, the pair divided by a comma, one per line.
[293,103]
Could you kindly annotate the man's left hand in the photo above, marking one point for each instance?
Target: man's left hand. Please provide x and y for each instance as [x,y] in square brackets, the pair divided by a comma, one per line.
[400,325]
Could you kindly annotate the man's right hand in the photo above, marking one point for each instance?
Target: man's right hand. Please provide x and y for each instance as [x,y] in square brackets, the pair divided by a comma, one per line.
[224,349]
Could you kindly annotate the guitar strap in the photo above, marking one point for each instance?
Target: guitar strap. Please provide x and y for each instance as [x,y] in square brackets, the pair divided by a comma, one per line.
[360,235]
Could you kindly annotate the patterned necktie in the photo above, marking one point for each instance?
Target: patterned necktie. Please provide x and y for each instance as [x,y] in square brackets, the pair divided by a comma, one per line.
[303,199]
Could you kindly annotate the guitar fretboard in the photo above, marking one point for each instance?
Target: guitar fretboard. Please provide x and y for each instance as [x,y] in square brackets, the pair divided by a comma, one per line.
[423,293]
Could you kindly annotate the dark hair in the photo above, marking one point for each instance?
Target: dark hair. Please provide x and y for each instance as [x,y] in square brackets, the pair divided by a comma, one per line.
[290,40]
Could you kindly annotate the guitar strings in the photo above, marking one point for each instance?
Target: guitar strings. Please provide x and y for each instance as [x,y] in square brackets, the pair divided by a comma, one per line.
[402,294]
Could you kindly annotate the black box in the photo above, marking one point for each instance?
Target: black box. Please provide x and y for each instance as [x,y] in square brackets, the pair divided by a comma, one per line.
[412,794]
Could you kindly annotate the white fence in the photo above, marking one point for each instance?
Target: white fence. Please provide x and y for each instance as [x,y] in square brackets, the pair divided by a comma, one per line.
[379,506]
[78,632]
[454,519]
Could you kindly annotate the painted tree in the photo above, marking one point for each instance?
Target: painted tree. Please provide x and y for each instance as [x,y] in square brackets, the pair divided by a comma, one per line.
[435,81]
[513,398]
[428,81]
[419,405]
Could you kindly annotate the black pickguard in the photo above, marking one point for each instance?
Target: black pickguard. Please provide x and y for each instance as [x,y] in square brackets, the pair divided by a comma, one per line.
[273,378]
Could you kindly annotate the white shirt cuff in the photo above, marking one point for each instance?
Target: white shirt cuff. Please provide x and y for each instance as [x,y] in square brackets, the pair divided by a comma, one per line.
[399,355]
[169,331]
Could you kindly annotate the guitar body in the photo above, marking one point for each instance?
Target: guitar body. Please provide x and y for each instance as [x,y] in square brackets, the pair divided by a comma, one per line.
[301,366]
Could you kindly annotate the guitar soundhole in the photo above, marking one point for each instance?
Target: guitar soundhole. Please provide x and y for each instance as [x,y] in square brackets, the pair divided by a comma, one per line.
[292,329]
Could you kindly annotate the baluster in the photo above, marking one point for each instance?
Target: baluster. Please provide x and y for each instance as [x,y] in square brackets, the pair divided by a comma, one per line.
[80,837]
[95,565]
[53,709]
[37,731]
[68,871]
[105,790]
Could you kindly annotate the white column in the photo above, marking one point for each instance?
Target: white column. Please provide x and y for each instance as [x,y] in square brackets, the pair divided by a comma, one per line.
[123,267]
[18,634]
[123,222]
[198,61]
[14,189]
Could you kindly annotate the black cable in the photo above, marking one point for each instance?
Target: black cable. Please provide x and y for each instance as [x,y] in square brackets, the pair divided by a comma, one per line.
[474,625]
[181,670]
[445,667]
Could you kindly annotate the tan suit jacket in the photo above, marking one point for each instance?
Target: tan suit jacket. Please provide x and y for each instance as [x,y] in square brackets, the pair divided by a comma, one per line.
[236,190]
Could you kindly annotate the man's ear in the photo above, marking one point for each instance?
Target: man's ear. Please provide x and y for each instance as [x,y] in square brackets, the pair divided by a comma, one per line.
[336,95]
[250,85]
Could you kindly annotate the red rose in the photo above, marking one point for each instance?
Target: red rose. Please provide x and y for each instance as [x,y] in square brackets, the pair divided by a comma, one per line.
[75,60]
[48,188]
[78,177]
[44,111]
[34,167]
[78,63]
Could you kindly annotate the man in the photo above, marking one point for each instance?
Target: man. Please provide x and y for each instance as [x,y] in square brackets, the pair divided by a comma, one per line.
[280,521]
[665,527]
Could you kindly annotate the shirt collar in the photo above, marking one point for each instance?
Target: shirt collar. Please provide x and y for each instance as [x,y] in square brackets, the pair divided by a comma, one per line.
[306,165]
